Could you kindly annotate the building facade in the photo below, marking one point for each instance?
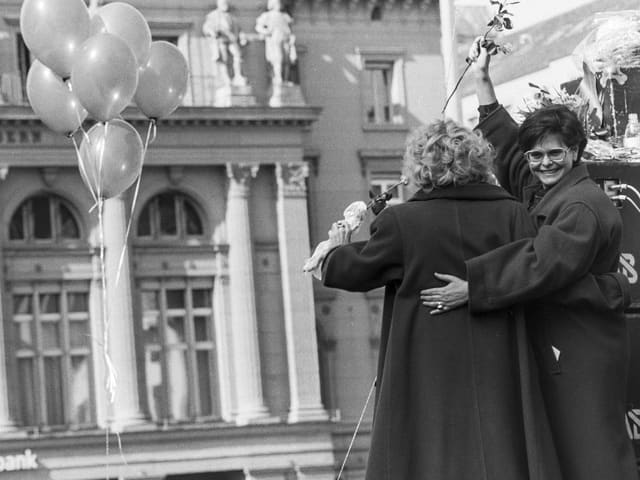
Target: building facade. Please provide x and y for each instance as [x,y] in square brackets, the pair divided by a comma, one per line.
[175,335]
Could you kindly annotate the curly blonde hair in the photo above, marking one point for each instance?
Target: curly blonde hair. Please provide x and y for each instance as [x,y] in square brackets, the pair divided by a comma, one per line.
[444,153]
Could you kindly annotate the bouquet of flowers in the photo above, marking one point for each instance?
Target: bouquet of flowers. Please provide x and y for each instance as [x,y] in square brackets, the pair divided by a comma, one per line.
[612,45]
[543,97]
[610,58]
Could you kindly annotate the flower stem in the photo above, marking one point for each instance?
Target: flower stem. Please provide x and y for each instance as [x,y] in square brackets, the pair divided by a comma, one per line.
[464,72]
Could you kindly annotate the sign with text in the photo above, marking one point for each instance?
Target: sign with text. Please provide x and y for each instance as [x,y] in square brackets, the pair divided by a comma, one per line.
[19,462]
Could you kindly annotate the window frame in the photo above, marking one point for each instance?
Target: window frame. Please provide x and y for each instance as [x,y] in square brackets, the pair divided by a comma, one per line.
[391,60]
[162,346]
[155,221]
[38,352]
[25,210]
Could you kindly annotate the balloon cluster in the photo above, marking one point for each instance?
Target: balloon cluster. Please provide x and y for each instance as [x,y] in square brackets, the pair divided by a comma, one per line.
[94,66]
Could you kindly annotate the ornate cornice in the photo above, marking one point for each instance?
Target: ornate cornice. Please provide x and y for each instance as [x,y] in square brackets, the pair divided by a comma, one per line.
[339,10]
[257,116]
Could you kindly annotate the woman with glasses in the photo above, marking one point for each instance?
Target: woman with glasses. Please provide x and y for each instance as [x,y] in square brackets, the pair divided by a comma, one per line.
[576,323]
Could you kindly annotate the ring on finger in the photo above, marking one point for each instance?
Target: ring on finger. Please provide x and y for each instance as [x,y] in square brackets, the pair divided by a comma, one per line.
[440,306]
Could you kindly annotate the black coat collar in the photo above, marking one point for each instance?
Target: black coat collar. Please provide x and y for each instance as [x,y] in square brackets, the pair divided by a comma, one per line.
[474,191]
[574,176]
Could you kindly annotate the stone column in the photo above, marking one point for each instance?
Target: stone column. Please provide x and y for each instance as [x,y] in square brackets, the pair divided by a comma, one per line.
[244,320]
[126,406]
[6,423]
[299,316]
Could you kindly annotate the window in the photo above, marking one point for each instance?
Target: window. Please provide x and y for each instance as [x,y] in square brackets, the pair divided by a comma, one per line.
[13,83]
[179,348]
[43,219]
[170,216]
[383,87]
[379,76]
[50,339]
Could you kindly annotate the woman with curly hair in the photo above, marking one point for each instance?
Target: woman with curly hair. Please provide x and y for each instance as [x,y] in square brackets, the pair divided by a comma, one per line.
[454,398]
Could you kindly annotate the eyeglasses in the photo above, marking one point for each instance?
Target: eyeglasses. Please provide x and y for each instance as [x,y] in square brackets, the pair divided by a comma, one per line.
[554,154]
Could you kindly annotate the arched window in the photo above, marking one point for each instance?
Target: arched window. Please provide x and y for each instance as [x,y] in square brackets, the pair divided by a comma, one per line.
[170,215]
[49,329]
[43,219]
[177,315]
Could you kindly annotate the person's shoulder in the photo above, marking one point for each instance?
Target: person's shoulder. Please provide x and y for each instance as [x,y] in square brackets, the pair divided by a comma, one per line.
[588,193]
[406,209]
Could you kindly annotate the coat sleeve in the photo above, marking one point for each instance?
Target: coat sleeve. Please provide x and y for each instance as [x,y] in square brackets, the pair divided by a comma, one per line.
[511,167]
[363,266]
[604,292]
[527,269]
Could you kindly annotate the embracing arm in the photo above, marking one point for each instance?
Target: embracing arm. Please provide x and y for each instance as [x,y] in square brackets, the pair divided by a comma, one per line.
[531,268]
[602,292]
[363,266]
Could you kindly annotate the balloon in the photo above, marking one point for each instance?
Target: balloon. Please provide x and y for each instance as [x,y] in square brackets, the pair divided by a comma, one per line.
[104,76]
[126,22]
[53,101]
[162,81]
[111,158]
[54,30]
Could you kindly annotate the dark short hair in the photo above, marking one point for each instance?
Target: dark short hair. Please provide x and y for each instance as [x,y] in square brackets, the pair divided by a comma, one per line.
[553,120]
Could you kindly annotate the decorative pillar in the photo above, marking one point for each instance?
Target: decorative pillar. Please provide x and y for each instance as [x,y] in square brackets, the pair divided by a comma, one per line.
[6,423]
[244,319]
[126,407]
[299,316]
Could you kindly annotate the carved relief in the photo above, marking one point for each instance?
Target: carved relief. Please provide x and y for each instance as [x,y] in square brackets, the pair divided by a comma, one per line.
[292,177]
[241,173]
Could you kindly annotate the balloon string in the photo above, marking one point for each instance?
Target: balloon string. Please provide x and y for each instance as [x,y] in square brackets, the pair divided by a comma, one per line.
[101,159]
[111,370]
[110,374]
[96,181]
[151,136]
[83,171]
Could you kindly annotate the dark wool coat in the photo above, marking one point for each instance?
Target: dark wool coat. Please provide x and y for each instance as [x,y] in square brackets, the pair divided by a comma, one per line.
[582,351]
[450,387]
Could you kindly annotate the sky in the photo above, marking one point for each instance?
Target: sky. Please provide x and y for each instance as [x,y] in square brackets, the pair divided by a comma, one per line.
[529,12]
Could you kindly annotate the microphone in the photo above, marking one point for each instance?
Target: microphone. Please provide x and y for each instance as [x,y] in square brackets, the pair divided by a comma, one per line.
[379,202]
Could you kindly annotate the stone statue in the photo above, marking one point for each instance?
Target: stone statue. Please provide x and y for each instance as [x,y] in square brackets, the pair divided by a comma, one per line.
[280,51]
[226,40]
